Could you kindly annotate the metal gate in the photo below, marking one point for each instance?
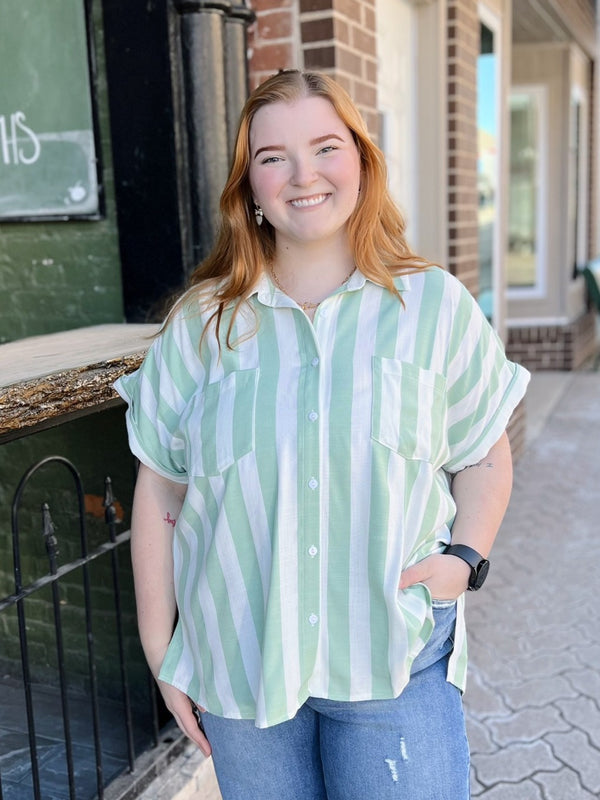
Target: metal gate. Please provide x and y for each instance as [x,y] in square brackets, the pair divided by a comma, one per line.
[75,718]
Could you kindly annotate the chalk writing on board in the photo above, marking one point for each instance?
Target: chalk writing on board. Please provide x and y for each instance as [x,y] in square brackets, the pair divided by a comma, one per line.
[18,143]
[61,181]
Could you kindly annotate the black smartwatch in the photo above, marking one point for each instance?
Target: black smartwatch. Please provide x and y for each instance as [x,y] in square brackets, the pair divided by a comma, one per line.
[479,565]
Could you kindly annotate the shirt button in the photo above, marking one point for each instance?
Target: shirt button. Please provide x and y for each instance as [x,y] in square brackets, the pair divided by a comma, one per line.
[315,362]
[313,416]
[313,619]
[312,551]
[313,483]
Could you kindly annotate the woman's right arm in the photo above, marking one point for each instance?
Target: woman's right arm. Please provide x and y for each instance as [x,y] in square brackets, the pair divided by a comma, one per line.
[156,506]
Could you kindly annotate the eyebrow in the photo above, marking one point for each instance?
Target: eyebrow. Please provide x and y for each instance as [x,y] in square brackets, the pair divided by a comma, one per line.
[318,140]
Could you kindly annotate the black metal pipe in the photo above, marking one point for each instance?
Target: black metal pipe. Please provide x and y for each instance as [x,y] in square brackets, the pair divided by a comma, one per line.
[236,67]
[202,49]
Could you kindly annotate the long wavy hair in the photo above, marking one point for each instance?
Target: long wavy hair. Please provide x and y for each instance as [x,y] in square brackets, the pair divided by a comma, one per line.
[376,227]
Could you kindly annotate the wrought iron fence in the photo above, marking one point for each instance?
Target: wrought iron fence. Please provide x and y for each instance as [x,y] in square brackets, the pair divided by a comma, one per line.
[83,772]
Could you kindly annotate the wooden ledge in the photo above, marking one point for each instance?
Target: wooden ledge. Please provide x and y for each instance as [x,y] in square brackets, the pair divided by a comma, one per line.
[44,378]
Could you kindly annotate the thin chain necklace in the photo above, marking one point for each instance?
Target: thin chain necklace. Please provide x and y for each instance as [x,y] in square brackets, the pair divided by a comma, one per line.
[308,305]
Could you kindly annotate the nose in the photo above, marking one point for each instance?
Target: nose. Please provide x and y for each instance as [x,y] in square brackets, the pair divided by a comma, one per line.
[303,173]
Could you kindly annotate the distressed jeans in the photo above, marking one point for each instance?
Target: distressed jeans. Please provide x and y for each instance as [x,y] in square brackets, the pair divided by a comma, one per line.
[411,748]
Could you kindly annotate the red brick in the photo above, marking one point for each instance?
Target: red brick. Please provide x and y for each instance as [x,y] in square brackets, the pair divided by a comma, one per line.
[364,41]
[271,5]
[348,8]
[341,31]
[348,61]
[319,57]
[317,30]
[271,57]
[275,25]
[315,5]
[369,19]
[365,94]
[371,72]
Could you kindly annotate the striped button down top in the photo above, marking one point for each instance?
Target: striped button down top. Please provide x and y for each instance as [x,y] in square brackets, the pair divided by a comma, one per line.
[318,459]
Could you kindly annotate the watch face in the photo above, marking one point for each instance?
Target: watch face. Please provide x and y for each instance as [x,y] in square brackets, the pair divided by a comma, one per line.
[481,572]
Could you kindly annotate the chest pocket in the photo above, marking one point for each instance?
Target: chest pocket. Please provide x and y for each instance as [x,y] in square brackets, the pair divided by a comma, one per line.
[409,410]
[219,427]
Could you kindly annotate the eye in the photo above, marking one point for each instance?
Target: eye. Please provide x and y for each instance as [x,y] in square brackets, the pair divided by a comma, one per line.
[328,148]
[270,160]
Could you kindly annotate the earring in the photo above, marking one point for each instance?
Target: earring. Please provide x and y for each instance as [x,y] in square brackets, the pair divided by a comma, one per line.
[258,213]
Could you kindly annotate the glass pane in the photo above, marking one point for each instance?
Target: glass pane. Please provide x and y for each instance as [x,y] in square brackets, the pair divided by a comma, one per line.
[487,135]
[523,190]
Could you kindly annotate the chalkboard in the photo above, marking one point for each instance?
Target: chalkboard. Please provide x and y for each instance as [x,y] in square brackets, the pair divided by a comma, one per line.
[48,165]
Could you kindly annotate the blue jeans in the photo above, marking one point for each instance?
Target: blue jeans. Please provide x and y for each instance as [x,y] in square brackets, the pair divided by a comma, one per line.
[411,748]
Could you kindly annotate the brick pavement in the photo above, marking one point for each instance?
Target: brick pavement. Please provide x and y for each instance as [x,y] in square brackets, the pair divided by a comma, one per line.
[533,695]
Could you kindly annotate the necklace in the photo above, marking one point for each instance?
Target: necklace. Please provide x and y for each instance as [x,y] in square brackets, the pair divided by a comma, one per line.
[308,305]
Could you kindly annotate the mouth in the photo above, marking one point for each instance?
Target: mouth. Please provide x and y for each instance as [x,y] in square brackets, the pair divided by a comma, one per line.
[308,202]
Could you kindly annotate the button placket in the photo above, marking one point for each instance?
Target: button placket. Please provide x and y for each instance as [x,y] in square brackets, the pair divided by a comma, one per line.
[309,470]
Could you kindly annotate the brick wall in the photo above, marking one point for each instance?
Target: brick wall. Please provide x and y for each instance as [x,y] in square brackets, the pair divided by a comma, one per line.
[332,36]
[517,431]
[463,49]
[560,347]
[274,39]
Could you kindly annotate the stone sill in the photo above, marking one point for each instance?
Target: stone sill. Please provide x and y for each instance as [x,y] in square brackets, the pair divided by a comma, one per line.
[45,380]
[174,770]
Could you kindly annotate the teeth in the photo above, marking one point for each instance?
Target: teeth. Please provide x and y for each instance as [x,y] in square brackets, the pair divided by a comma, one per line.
[308,201]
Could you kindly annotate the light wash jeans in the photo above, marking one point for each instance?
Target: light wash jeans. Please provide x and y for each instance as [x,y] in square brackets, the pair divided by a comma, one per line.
[411,748]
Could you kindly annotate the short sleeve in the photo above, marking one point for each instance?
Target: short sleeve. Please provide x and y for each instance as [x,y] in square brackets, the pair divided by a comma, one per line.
[483,386]
[157,395]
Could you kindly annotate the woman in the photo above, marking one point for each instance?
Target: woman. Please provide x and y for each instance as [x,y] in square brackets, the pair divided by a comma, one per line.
[322,415]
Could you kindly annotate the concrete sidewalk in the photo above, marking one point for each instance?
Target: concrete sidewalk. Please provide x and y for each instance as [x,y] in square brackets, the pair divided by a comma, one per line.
[533,696]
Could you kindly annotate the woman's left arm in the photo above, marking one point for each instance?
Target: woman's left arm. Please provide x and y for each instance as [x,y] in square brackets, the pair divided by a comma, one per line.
[481,493]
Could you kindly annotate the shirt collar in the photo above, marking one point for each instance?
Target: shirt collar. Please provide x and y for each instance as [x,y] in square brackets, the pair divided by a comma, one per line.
[269,295]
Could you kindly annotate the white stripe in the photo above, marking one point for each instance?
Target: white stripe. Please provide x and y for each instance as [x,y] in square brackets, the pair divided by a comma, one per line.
[187,666]
[286,417]
[233,574]
[396,556]
[222,683]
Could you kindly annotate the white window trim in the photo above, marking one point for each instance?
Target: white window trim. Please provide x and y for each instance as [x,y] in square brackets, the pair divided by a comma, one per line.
[579,96]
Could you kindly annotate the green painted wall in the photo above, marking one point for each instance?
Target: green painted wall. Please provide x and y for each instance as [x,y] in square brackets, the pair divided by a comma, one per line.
[61,275]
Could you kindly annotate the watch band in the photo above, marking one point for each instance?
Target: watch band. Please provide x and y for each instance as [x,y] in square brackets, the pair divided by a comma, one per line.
[479,565]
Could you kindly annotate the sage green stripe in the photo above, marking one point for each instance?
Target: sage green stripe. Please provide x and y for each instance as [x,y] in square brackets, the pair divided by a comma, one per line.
[340,456]
[426,338]
[390,315]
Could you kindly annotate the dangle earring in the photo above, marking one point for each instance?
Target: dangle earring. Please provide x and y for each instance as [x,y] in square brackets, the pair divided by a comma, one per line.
[258,213]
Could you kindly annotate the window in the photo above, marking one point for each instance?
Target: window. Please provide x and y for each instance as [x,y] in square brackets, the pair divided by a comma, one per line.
[487,165]
[526,238]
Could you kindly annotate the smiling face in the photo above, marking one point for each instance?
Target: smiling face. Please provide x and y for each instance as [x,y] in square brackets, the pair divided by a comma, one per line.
[304,170]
